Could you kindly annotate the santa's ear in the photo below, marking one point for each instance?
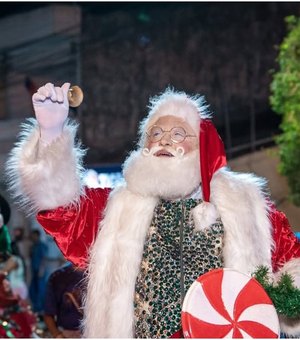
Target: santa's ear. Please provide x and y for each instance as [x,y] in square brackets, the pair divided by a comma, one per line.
[1,220]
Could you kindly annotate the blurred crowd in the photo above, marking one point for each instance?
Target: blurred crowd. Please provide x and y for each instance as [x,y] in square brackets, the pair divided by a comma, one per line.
[40,293]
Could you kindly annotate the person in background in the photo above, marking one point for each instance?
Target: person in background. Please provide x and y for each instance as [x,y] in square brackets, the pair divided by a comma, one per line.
[12,265]
[16,318]
[37,285]
[18,239]
[5,239]
[54,258]
[22,244]
[5,211]
[63,302]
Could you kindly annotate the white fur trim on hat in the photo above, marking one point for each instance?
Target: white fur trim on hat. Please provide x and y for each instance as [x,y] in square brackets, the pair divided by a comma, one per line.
[173,103]
[204,215]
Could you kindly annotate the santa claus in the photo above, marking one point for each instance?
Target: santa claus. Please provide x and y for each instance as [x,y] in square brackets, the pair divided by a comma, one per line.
[179,213]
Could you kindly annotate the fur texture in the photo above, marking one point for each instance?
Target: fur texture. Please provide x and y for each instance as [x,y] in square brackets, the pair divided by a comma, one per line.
[204,215]
[166,178]
[293,268]
[241,202]
[114,264]
[190,108]
[45,176]
[291,327]
[288,326]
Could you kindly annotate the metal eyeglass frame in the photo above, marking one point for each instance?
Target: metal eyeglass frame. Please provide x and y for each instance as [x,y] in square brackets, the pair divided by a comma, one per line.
[170,132]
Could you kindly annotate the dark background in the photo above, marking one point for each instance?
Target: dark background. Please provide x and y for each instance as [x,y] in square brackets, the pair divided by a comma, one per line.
[130,51]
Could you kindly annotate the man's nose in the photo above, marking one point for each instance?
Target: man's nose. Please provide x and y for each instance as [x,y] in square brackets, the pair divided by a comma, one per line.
[166,139]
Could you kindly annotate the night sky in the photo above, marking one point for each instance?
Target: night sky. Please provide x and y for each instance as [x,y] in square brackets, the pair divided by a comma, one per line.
[8,8]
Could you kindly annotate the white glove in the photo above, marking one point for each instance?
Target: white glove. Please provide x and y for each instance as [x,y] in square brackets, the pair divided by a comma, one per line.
[51,108]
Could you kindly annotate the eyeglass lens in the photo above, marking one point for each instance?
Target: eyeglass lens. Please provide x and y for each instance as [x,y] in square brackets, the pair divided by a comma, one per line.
[177,134]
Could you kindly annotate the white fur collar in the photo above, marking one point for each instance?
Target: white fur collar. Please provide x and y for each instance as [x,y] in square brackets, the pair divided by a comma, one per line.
[114,264]
[241,202]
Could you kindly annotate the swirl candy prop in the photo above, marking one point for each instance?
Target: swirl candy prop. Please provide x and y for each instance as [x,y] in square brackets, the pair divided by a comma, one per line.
[226,303]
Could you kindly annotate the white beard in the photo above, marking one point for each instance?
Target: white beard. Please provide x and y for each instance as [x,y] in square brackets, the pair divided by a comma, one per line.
[164,177]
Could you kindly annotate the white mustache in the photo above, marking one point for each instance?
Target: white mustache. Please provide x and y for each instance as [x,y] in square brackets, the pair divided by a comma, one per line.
[178,152]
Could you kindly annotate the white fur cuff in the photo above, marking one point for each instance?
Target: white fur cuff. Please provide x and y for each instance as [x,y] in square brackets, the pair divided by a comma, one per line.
[292,268]
[41,176]
[291,327]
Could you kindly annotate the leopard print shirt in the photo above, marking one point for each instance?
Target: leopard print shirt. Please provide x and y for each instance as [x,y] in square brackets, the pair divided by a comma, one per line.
[174,256]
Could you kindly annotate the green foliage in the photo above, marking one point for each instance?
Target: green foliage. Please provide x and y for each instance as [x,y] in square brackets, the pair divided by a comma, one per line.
[284,295]
[285,100]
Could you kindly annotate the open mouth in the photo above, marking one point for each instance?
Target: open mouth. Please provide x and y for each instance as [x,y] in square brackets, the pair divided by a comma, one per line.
[163,153]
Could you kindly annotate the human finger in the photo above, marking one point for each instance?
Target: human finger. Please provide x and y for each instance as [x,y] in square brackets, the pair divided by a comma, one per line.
[59,94]
[44,91]
[50,87]
[65,88]
[37,97]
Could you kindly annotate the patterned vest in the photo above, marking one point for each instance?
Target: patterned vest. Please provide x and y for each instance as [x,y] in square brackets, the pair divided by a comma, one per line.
[174,256]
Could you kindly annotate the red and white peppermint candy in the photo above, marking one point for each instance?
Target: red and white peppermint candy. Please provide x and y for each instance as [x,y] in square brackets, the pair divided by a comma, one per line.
[225,303]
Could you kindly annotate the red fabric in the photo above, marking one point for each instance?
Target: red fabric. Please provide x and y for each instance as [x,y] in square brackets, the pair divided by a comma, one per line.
[74,229]
[177,335]
[26,322]
[7,299]
[212,155]
[287,246]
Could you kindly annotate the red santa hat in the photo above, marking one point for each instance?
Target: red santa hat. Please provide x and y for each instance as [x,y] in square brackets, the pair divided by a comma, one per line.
[212,158]
[212,152]
[212,155]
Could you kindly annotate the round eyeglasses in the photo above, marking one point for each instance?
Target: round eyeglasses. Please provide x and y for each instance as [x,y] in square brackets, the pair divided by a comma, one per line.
[177,134]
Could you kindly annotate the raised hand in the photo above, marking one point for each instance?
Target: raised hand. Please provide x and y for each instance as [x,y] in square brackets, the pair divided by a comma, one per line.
[51,108]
